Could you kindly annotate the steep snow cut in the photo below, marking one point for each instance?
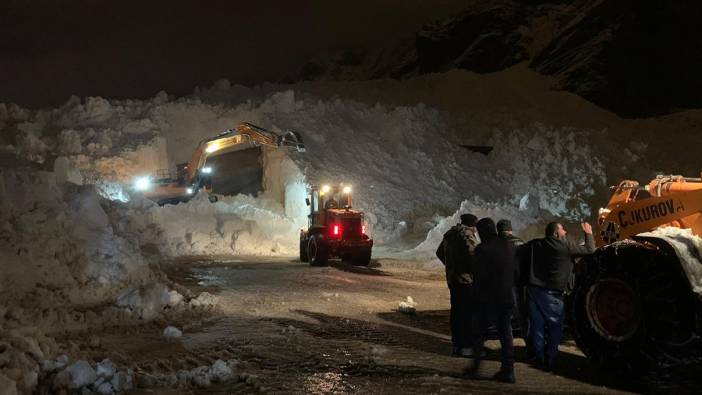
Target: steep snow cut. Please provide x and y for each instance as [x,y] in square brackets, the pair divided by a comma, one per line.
[405,163]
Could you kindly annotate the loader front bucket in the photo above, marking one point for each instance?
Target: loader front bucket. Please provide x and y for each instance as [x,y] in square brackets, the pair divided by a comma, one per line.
[291,139]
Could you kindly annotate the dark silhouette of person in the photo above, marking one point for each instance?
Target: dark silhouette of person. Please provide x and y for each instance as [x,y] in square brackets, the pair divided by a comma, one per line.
[456,253]
[494,269]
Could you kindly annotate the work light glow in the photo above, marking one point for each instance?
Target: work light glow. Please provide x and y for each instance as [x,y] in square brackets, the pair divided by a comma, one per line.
[326,189]
[347,189]
[207,170]
[212,148]
[142,183]
[189,191]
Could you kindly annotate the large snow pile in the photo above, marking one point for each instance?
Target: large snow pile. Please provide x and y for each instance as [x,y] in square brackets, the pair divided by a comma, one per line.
[58,242]
[405,162]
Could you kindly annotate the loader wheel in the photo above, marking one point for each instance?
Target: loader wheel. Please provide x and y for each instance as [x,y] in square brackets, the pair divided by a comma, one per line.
[361,258]
[303,251]
[627,303]
[317,251]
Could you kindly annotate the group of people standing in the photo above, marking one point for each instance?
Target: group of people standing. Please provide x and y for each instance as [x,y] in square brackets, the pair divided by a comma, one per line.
[493,275]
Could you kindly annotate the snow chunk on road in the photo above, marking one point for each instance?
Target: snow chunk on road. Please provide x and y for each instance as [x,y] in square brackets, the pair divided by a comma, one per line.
[172,333]
[408,307]
[204,300]
[77,375]
[122,381]
[147,301]
[105,389]
[174,298]
[220,371]
[105,369]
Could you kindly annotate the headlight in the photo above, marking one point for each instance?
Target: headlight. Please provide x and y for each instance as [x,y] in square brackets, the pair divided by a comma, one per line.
[142,183]
[326,189]
[347,189]
[207,170]
[189,191]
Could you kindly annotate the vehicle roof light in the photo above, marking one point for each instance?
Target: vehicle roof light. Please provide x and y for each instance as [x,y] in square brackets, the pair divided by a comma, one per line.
[347,189]
[212,148]
[326,188]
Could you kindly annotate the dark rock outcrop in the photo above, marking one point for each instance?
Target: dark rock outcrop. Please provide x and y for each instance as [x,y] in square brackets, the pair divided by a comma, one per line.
[635,58]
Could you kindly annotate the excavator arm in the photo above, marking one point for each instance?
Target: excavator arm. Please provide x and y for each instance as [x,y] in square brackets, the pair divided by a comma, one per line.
[228,140]
[189,178]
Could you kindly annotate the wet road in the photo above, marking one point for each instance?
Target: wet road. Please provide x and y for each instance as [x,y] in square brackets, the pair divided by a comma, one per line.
[337,329]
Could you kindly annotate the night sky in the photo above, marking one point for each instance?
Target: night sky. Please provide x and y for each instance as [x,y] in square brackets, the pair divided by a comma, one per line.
[50,50]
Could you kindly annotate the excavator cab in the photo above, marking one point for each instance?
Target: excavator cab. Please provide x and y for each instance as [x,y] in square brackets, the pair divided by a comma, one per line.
[335,229]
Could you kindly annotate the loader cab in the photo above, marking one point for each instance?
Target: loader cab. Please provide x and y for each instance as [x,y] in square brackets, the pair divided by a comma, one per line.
[335,229]
[327,197]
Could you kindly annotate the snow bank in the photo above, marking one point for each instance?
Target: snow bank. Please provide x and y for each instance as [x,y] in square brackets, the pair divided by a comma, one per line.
[234,225]
[688,248]
[405,162]
[59,243]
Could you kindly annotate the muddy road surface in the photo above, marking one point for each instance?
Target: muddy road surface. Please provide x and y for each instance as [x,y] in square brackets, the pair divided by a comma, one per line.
[336,329]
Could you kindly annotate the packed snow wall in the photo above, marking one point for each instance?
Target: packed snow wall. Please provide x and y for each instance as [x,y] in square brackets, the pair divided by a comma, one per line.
[405,163]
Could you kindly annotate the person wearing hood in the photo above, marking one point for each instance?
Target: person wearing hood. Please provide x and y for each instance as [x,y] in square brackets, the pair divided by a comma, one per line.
[495,269]
[456,253]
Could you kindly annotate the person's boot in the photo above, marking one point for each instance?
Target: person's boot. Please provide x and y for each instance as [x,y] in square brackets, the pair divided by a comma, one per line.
[472,371]
[505,375]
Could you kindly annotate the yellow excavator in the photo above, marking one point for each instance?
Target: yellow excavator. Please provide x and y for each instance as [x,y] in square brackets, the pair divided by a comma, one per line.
[195,175]
[638,299]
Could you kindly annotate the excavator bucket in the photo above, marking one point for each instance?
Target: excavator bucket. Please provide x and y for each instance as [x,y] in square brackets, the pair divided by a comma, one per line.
[291,139]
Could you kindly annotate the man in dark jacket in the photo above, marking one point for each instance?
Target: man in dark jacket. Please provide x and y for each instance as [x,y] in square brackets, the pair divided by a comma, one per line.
[494,272]
[456,253]
[504,229]
[551,264]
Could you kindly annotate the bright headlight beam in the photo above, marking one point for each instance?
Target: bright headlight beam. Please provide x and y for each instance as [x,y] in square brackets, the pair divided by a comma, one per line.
[189,191]
[207,170]
[142,183]
[326,188]
[347,189]
[212,148]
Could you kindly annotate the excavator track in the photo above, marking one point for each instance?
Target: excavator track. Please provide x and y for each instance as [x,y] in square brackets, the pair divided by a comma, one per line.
[632,305]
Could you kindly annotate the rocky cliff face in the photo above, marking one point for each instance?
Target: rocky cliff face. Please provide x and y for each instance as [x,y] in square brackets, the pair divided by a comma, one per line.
[635,58]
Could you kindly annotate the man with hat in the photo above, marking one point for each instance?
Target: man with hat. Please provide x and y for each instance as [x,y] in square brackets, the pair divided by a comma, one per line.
[456,253]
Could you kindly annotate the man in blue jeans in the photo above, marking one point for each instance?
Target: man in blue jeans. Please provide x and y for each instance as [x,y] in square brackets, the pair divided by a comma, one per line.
[551,264]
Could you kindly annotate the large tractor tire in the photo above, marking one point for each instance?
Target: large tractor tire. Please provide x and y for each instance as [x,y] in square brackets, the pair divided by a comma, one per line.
[317,251]
[630,303]
[361,258]
[303,251]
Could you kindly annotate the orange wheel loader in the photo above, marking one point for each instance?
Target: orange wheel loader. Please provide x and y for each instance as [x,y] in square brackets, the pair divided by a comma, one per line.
[639,297]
